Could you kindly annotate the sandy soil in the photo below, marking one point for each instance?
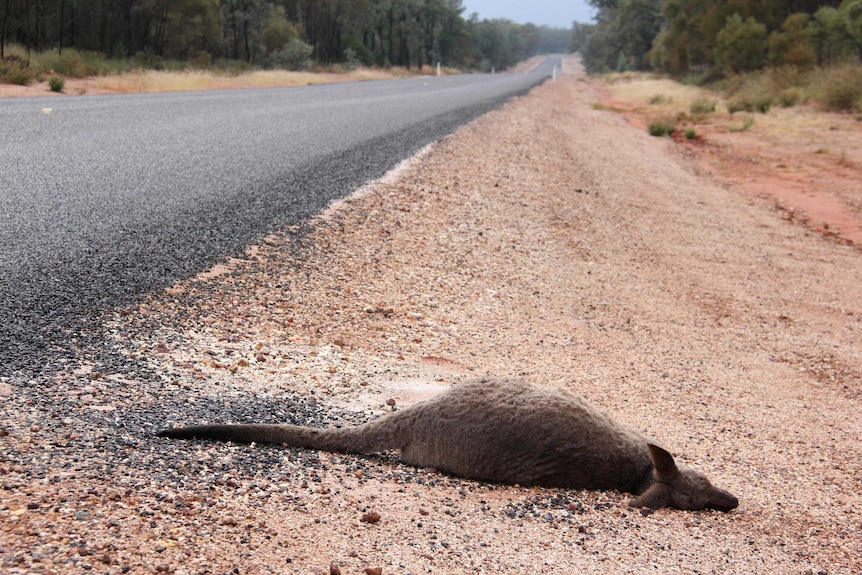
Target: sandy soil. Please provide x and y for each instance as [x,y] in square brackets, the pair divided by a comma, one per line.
[548,240]
[807,161]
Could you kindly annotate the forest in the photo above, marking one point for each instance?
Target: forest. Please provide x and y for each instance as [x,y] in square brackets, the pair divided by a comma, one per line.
[719,37]
[290,34]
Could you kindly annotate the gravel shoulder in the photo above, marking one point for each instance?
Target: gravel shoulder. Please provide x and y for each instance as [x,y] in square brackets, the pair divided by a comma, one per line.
[547,240]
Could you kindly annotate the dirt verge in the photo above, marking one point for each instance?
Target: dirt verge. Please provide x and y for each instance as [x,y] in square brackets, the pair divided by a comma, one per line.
[806,161]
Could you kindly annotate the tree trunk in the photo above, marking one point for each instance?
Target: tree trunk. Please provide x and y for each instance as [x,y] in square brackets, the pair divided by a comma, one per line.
[3,30]
[391,36]
[62,22]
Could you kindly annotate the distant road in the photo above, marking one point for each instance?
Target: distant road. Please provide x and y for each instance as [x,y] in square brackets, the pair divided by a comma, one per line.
[103,198]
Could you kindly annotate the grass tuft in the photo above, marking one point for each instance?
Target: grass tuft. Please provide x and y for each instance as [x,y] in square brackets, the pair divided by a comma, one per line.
[840,88]
[662,127]
[747,123]
[702,106]
[57,83]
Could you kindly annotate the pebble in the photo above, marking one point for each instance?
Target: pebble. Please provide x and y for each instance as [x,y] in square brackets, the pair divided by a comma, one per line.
[370,517]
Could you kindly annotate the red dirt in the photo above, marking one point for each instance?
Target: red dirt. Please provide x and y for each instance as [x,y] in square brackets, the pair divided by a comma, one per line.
[814,175]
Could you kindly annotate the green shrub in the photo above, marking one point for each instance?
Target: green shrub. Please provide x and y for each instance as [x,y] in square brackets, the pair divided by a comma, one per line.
[202,60]
[73,63]
[702,106]
[753,92]
[739,105]
[690,134]
[296,55]
[16,70]
[840,88]
[662,127]
[790,97]
[763,104]
[148,60]
[57,83]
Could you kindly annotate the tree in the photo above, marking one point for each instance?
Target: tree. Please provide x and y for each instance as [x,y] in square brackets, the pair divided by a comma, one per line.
[792,46]
[278,31]
[685,42]
[851,14]
[830,37]
[623,34]
[741,45]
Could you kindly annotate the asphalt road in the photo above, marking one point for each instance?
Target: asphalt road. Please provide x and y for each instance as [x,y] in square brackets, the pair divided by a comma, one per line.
[104,198]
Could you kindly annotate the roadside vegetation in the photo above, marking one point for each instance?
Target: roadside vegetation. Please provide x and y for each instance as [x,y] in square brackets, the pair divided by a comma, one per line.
[738,101]
[756,55]
[84,38]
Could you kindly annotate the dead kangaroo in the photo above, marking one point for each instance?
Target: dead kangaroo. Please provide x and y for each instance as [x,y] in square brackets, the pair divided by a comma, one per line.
[511,432]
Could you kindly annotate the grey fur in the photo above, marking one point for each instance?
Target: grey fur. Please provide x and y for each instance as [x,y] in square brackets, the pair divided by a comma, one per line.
[506,431]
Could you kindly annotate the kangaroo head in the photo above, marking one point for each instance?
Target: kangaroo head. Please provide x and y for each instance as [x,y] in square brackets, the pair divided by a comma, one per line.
[681,488]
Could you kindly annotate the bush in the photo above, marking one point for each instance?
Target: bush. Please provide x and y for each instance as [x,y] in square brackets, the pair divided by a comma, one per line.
[16,70]
[662,127]
[763,104]
[57,83]
[702,106]
[690,134]
[749,104]
[201,60]
[840,88]
[740,105]
[75,63]
[753,92]
[746,124]
[148,60]
[790,97]
[296,55]
[659,99]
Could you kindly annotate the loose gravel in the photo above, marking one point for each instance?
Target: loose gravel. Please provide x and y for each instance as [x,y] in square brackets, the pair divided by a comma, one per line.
[547,240]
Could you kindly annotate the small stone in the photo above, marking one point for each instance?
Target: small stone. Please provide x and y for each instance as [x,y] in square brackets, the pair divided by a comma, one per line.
[390,402]
[646,511]
[334,569]
[370,517]
[374,571]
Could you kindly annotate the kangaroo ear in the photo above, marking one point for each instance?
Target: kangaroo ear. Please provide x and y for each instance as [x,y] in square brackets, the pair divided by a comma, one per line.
[663,461]
[655,497]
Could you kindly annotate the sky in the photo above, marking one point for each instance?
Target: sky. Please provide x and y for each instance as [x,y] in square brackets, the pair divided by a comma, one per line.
[555,13]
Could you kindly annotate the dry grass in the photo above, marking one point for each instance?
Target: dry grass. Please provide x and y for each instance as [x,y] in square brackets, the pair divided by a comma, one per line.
[165,81]
[661,96]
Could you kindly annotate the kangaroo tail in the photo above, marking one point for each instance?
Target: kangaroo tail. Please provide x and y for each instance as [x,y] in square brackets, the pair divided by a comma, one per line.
[366,438]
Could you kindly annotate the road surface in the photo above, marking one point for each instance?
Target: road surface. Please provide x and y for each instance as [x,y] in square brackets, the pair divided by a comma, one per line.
[103,198]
